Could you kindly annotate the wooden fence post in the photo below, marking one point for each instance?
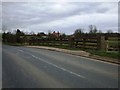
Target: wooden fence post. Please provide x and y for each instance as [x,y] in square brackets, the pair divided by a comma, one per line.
[71,42]
[101,43]
[107,45]
[84,41]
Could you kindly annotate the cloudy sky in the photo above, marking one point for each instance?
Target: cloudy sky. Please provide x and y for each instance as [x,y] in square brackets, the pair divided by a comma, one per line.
[59,16]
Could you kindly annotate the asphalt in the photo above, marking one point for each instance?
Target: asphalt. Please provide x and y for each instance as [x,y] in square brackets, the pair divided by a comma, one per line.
[24,67]
[0,65]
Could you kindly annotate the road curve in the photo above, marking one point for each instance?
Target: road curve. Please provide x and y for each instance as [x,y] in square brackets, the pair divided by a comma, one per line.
[24,67]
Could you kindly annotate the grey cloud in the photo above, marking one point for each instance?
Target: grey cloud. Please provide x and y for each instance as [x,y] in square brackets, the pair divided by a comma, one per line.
[0,16]
[50,15]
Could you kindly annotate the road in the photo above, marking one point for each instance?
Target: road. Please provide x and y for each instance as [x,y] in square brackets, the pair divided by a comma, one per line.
[24,67]
[0,65]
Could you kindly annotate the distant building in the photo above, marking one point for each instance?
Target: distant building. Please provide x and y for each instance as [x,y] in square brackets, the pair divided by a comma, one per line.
[57,34]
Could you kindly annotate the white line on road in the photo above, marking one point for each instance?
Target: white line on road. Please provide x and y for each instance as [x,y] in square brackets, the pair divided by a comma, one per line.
[58,67]
[54,65]
[21,50]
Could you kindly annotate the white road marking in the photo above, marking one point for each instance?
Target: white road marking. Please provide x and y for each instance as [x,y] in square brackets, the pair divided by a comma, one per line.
[58,67]
[54,65]
[21,50]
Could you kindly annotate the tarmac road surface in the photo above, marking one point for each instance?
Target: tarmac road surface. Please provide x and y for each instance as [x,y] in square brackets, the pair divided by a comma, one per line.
[24,67]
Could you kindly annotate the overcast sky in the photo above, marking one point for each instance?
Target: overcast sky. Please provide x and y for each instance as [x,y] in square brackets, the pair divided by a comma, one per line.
[59,16]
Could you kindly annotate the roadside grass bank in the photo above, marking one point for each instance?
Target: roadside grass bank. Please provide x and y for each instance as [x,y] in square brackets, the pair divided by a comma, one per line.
[111,54]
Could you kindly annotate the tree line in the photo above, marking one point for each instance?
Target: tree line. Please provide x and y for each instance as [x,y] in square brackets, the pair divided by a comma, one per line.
[20,37]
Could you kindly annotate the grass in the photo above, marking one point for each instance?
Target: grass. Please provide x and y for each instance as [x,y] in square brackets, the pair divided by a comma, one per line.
[114,43]
[111,54]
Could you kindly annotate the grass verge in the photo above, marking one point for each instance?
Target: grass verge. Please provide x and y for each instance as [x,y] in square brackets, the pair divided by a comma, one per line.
[110,54]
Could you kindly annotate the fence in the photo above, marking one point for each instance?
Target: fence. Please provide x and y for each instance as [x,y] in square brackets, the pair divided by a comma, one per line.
[84,42]
[113,43]
[92,42]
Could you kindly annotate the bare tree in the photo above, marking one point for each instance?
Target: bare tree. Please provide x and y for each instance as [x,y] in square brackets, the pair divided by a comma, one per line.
[93,29]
